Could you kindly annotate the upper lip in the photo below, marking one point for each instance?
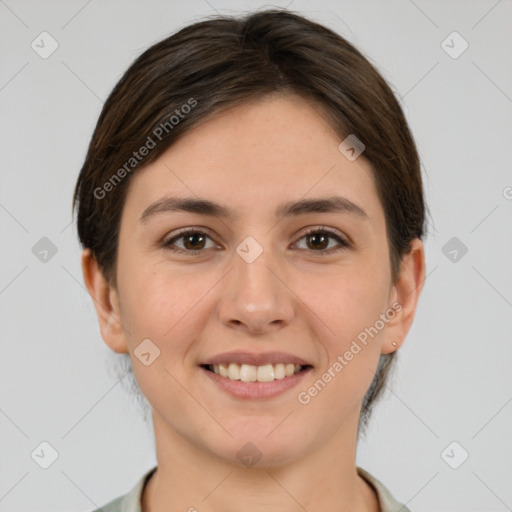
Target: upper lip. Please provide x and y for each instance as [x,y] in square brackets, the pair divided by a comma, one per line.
[256,359]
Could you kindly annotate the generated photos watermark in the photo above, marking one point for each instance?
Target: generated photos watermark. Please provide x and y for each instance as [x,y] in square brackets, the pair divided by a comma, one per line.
[152,140]
[305,397]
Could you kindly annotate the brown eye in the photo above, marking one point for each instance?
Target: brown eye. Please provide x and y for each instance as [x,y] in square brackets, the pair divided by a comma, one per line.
[193,241]
[317,240]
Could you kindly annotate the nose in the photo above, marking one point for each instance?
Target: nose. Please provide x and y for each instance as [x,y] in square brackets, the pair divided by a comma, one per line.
[256,297]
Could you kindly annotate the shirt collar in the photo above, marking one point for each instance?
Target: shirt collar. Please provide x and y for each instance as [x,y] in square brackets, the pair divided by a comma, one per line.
[131,501]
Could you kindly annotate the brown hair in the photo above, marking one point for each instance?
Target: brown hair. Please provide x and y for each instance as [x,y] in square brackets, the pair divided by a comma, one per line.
[225,61]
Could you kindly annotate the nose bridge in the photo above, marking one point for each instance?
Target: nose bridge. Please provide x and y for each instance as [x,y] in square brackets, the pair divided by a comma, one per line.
[255,294]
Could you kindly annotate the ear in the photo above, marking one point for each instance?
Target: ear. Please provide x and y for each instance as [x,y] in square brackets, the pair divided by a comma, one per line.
[106,301]
[405,295]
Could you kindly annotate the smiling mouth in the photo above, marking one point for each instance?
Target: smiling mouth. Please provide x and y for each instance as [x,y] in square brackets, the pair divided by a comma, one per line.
[251,373]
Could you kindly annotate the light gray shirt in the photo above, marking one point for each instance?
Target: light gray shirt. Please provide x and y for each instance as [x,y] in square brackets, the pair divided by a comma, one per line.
[131,502]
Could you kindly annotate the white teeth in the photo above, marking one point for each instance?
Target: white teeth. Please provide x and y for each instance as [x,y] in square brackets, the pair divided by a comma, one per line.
[248,373]
[289,369]
[251,373]
[223,369]
[265,373]
[233,371]
[279,371]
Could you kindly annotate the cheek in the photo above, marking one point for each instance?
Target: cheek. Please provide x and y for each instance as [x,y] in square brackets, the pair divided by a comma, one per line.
[347,311]
[166,306]
[347,301]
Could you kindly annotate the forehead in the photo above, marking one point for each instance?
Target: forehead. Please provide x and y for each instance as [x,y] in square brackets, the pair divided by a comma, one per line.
[257,155]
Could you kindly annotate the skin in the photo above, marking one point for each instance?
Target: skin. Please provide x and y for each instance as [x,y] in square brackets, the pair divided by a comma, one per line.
[292,298]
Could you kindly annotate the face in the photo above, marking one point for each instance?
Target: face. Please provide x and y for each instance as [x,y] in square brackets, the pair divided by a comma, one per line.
[308,286]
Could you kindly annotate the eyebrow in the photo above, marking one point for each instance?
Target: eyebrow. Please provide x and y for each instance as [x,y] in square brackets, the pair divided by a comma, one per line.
[333,204]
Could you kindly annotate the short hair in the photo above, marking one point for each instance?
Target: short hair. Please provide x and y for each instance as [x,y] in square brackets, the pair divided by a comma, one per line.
[225,61]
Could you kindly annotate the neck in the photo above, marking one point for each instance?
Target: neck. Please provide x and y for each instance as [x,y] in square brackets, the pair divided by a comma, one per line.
[191,479]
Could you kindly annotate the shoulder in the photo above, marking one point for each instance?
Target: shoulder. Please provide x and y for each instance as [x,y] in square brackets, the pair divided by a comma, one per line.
[387,501]
[131,501]
[116,505]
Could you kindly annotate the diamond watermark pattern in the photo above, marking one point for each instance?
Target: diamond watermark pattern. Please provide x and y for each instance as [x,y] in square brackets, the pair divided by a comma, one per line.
[146,352]
[454,455]
[454,249]
[44,45]
[351,147]
[44,250]
[249,455]
[454,45]
[249,249]
[44,455]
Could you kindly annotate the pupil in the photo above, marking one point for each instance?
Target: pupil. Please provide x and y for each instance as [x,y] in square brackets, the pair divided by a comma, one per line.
[323,237]
[193,237]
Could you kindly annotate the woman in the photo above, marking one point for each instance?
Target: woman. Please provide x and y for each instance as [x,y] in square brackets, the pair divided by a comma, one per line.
[251,213]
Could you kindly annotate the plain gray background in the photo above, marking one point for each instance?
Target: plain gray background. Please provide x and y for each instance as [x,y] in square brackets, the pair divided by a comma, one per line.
[452,381]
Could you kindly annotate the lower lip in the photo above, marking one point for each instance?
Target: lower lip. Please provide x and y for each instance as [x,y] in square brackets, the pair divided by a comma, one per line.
[255,390]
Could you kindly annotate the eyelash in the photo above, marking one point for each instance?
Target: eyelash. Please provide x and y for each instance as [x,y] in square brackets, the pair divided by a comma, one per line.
[317,230]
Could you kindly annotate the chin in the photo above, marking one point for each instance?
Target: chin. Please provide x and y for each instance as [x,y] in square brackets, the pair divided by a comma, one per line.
[253,448]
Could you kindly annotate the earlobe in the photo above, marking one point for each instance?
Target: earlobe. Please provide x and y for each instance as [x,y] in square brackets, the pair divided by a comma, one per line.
[106,303]
[405,293]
